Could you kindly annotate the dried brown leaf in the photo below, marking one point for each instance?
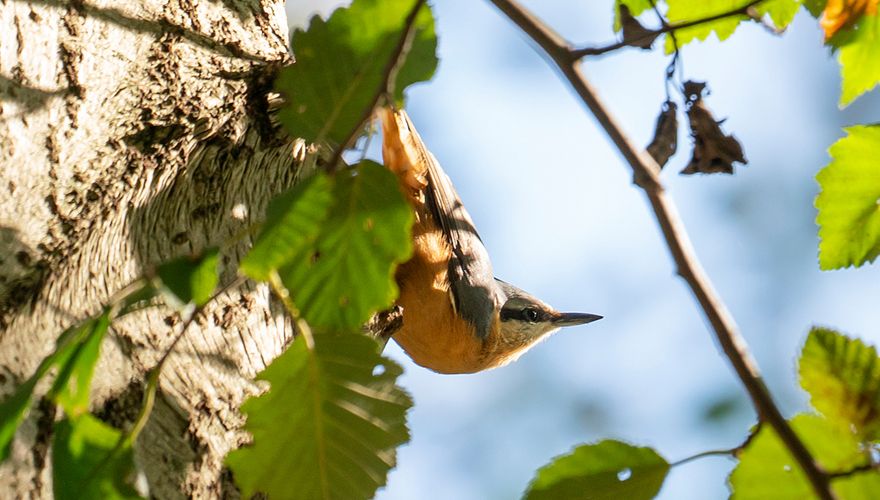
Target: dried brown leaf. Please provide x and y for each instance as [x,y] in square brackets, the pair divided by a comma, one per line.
[714,151]
[665,140]
[634,34]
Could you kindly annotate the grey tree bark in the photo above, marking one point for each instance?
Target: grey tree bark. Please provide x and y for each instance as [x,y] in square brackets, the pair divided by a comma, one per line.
[130,133]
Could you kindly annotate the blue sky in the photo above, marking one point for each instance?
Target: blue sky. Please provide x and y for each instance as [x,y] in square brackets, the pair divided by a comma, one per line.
[555,205]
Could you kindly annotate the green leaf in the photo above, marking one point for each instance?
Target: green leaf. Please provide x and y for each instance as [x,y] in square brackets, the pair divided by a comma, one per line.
[340,63]
[336,242]
[328,427]
[350,273]
[860,60]
[87,465]
[849,212]
[74,380]
[606,470]
[138,300]
[767,470]
[75,355]
[842,376]
[688,10]
[781,12]
[190,279]
[860,486]
[815,7]
[293,223]
[12,412]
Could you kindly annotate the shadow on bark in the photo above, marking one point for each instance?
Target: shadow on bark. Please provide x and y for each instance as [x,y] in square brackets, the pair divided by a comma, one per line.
[244,10]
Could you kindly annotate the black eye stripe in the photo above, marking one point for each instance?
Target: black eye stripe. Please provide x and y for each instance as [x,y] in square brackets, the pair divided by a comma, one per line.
[529,314]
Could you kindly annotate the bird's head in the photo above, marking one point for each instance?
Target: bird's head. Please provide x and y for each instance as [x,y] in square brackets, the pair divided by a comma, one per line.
[524,320]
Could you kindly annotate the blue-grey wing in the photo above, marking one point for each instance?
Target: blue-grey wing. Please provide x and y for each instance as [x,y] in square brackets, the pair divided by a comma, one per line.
[471,278]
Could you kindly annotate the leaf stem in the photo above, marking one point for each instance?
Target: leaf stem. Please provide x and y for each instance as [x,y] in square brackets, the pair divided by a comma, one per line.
[386,87]
[855,470]
[302,327]
[283,294]
[646,175]
[710,453]
[665,28]
[152,387]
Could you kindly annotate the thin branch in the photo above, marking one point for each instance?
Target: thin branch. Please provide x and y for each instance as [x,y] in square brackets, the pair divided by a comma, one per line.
[184,327]
[646,175]
[868,467]
[386,87]
[665,28]
[149,398]
[192,316]
[711,453]
[283,295]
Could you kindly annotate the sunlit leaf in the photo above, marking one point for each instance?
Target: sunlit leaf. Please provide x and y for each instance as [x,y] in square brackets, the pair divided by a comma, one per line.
[12,412]
[350,273]
[842,376]
[858,486]
[140,299]
[767,470]
[860,60]
[191,279]
[86,464]
[689,10]
[328,427]
[74,379]
[849,212]
[75,357]
[340,62]
[781,12]
[293,223]
[606,470]
[815,7]
[841,14]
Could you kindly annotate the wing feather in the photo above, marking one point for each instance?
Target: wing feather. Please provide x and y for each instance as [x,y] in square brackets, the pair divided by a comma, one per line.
[471,278]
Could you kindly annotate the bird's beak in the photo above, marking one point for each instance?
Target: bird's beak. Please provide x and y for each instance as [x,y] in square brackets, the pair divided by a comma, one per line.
[572,319]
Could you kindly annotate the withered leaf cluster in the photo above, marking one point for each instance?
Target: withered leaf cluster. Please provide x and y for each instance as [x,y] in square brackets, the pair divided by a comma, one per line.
[665,140]
[714,151]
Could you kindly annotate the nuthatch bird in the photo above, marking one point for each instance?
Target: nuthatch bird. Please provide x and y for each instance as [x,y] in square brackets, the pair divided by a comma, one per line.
[457,317]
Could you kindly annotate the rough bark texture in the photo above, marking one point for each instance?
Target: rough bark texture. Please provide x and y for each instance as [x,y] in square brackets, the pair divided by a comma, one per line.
[132,132]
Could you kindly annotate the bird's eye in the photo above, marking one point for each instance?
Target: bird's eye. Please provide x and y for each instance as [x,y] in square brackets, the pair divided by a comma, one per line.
[530,315]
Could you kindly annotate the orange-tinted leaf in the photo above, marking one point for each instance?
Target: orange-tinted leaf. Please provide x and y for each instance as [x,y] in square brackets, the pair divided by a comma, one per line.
[839,14]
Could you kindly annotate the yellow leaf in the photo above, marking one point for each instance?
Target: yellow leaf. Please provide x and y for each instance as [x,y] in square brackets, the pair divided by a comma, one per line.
[839,14]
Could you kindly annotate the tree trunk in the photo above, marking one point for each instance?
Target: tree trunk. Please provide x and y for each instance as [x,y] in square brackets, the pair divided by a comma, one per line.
[130,133]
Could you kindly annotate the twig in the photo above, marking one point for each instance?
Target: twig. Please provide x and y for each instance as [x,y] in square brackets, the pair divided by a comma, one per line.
[283,295]
[665,28]
[149,398]
[855,470]
[673,64]
[153,375]
[646,175]
[732,452]
[386,86]
[197,311]
[711,453]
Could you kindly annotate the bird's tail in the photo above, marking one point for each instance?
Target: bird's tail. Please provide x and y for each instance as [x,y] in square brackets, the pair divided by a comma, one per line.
[402,151]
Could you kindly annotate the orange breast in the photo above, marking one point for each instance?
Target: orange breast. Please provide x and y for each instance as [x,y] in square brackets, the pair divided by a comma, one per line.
[432,334]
